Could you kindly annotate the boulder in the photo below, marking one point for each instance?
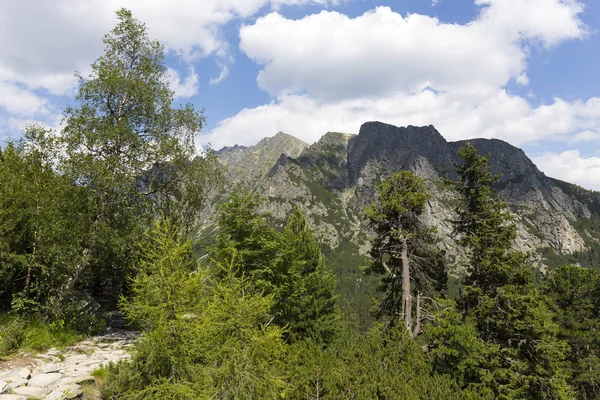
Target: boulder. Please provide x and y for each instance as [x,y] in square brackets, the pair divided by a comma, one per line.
[45,380]
[32,392]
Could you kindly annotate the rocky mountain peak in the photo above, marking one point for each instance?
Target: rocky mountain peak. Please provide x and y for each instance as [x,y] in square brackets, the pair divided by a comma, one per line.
[396,148]
[256,161]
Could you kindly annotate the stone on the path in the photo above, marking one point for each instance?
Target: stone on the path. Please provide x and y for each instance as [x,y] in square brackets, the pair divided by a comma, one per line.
[48,368]
[25,373]
[32,391]
[79,379]
[69,391]
[75,359]
[4,387]
[53,352]
[12,397]
[103,345]
[44,380]
[15,380]
[53,359]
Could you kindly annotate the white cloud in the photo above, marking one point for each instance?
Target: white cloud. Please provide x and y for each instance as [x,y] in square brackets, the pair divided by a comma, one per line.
[523,79]
[571,167]
[501,115]
[332,56]
[222,75]
[43,42]
[586,136]
[21,101]
[187,87]
[328,71]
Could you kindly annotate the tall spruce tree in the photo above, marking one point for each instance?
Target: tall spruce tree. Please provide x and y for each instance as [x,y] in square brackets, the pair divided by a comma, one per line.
[574,294]
[484,225]
[524,356]
[402,248]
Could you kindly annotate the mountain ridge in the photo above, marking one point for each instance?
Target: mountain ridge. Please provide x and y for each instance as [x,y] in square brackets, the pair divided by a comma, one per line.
[335,177]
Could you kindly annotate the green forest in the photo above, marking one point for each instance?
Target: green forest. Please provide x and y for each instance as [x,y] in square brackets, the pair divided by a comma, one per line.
[99,217]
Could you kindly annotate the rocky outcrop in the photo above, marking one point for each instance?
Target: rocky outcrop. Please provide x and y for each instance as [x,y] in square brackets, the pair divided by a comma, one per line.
[254,162]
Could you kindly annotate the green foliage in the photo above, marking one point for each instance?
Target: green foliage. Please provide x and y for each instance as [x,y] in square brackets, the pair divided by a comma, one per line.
[306,299]
[74,203]
[42,221]
[129,148]
[288,265]
[32,335]
[574,293]
[165,293]
[503,316]
[376,365]
[484,225]
[394,218]
[202,338]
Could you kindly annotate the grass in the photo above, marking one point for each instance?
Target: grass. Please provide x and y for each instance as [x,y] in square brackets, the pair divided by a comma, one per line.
[32,335]
[90,391]
[100,374]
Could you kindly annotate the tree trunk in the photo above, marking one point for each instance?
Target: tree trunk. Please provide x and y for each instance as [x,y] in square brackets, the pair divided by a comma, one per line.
[85,255]
[417,328]
[31,260]
[407,298]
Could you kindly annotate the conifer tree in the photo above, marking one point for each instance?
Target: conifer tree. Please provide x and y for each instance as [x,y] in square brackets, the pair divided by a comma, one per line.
[402,248]
[288,265]
[484,225]
[202,338]
[524,355]
[308,297]
[574,294]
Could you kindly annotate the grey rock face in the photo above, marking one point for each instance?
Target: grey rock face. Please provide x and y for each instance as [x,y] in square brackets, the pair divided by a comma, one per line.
[346,169]
[254,162]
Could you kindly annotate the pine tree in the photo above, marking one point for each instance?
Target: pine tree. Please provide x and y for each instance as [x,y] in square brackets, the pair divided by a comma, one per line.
[402,248]
[246,237]
[203,338]
[288,265]
[484,225]
[574,294]
[307,300]
[525,355]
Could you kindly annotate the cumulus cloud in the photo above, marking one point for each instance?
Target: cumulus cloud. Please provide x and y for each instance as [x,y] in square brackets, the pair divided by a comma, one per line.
[501,115]
[571,167]
[44,42]
[332,56]
[20,101]
[586,136]
[187,87]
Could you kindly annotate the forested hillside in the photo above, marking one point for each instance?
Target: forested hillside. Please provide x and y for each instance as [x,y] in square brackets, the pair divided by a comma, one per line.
[385,265]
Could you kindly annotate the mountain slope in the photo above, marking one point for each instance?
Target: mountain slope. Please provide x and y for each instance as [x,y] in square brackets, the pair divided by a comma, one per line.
[333,179]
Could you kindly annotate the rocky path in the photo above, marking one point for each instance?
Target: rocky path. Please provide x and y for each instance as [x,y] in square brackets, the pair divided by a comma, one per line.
[59,374]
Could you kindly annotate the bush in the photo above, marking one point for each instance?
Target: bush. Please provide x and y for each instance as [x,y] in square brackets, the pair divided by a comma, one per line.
[32,335]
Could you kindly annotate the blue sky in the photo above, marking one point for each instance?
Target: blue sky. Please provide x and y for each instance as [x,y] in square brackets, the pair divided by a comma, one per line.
[525,71]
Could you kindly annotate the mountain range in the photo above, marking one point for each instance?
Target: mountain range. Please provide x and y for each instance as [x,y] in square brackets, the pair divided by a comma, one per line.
[333,179]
